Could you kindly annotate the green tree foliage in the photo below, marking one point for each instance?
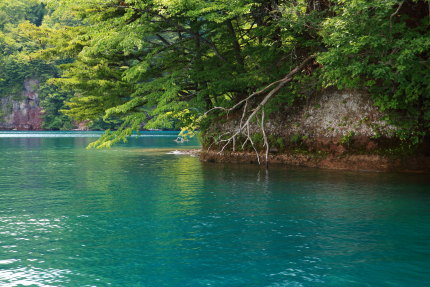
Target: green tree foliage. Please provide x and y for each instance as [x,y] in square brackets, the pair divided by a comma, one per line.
[164,63]
[14,67]
[384,47]
[15,12]
[52,101]
[19,42]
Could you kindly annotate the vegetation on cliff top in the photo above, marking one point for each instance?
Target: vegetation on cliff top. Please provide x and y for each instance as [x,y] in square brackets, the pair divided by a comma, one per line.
[17,65]
[15,68]
[166,63]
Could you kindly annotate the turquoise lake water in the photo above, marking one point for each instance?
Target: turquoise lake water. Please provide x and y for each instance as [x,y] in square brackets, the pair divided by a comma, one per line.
[136,215]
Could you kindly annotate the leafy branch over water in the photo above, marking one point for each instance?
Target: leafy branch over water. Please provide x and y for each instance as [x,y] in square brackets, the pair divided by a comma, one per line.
[166,63]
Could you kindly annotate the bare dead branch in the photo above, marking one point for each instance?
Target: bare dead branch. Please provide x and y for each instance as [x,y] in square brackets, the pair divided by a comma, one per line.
[247,116]
[266,142]
[394,14]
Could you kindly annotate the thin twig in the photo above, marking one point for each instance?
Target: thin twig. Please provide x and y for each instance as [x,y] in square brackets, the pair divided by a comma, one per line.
[394,14]
[245,121]
[266,142]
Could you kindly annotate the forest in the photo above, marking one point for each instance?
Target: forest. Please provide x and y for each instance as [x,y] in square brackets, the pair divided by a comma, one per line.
[181,64]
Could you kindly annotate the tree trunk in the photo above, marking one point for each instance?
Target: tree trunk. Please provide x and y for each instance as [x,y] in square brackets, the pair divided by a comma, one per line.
[235,42]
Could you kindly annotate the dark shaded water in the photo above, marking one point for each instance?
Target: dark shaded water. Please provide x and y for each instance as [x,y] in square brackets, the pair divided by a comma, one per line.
[137,216]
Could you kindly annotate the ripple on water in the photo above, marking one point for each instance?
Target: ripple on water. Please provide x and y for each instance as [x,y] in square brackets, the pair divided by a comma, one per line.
[136,216]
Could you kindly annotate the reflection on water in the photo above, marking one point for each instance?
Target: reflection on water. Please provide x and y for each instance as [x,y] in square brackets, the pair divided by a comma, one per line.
[137,216]
[79,134]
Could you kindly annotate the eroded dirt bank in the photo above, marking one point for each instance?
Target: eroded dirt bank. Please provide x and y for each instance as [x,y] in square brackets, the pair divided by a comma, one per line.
[333,130]
[411,164]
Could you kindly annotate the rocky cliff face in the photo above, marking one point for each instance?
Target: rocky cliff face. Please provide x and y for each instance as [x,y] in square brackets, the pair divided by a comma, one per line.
[335,129]
[23,113]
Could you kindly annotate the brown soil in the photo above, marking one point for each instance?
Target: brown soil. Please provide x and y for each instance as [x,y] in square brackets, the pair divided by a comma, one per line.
[414,164]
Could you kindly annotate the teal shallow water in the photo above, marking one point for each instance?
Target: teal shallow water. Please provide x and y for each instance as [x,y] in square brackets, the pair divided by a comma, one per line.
[137,216]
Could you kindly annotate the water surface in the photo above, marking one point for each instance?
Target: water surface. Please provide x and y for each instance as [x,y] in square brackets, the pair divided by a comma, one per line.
[135,215]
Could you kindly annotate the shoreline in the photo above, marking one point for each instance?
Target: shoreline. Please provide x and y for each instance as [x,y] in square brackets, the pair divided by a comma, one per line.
[351,162]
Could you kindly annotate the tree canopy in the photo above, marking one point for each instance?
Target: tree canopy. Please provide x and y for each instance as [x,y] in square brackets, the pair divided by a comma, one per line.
[165,63]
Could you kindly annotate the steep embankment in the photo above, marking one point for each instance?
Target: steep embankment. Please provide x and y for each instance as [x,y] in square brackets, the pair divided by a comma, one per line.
[22,112]
[336,130]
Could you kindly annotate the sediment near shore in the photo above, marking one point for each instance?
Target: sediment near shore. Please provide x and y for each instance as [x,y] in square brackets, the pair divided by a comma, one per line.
[333,130]
[376,163]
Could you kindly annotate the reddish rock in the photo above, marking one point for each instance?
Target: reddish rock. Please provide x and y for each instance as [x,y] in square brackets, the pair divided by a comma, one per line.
[82,126]
[25,114]
[371,146]
[339,149]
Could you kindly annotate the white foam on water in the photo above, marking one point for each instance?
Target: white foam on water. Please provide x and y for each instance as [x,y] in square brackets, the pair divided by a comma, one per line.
[177,152]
